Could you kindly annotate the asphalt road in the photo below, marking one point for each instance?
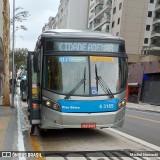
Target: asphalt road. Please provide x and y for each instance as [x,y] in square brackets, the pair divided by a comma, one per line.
[79,143]
[142,125]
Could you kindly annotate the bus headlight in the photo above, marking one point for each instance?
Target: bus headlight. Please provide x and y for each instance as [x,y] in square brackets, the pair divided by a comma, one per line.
[122,104]
[56,106]
[51,104]
[48,103]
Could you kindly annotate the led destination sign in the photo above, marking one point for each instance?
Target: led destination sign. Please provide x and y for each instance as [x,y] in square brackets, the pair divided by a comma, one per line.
[84,46]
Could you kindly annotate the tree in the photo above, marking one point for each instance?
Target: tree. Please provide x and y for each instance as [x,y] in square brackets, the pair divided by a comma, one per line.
[6,40]
[20,16]
[20,58]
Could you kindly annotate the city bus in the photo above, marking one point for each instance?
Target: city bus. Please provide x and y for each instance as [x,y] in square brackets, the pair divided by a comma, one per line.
[77,79]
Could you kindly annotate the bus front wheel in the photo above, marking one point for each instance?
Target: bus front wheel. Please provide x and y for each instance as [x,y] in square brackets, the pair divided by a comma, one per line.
[32,129]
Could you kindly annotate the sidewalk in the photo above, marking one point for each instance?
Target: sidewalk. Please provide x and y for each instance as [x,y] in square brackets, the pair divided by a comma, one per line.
[8,128]
[143,107]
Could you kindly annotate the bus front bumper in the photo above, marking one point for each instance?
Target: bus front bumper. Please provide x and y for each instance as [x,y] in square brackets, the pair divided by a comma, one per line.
[51,119]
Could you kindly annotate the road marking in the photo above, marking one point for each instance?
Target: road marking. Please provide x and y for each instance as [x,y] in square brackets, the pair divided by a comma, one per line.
[20,136]
[140,141]
[146,119]
[35,145]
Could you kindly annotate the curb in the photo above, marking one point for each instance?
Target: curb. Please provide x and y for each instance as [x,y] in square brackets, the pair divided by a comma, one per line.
[144,110]
[142,142]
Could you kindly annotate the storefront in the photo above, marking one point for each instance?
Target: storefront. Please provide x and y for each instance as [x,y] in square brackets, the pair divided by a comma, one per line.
[144,83]
[133,92]
[151,89]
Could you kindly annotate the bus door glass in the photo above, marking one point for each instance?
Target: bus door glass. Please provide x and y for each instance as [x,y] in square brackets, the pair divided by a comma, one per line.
[33,89]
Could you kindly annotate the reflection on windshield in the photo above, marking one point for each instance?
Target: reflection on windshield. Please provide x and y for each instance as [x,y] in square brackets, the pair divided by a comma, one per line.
[64,73]
[108,70]
[77,86]
[102,83]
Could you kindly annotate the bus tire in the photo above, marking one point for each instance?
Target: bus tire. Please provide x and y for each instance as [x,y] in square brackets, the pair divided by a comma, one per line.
[32,129]
[42,131]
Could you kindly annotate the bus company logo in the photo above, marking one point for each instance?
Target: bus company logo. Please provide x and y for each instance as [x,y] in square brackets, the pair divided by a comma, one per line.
[71,107]
[6,154]
[106,106]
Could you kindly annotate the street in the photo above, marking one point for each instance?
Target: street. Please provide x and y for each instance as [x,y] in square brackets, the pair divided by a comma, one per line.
[80,80]
[143,125]
[82,143]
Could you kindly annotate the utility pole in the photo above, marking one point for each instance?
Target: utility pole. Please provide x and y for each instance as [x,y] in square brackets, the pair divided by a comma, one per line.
[6,44]
[13,70]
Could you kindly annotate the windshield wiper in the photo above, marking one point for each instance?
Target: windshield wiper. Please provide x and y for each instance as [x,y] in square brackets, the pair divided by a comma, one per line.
[77,86]
[103,85]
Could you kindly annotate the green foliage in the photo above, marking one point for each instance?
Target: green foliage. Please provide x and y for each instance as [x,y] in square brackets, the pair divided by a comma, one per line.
[20,16]
[20,58]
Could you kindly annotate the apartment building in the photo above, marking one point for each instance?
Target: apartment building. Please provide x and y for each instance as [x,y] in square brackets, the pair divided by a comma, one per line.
[100,15]
[72,14]
[134,20]
[154,48]
[50,25]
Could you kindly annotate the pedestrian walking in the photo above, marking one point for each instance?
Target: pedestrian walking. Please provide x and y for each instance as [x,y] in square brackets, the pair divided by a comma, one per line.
[10,85]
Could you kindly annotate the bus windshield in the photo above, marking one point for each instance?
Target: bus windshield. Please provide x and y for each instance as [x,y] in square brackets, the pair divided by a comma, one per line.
[64,73]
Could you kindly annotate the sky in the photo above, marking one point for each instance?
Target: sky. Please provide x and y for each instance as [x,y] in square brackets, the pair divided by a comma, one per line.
[40,11]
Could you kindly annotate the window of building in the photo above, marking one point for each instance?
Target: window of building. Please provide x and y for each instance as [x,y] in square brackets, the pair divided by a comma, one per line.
[149,13]
[146,40]
[154,41]
[114,10]
[157,15]
[148,27]
[90,25]
[118,22]
[113,24]
[120,5]
[151,1]
[98,8]
[117,34]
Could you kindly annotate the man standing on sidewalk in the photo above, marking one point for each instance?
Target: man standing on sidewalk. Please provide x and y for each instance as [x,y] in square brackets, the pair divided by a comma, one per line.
[10,86]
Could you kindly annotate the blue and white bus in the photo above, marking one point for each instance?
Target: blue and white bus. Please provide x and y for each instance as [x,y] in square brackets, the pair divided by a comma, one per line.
[77,79]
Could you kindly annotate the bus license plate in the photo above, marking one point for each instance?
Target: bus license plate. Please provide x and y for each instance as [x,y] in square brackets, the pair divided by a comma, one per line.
[88,125]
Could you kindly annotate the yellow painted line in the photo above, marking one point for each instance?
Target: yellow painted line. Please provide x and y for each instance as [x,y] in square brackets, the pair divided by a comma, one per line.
[35,146]
[146,119]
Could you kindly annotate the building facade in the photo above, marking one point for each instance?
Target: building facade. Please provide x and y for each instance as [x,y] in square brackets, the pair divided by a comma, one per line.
[155,34]
[136,21]
[50,25]
[144,82]
[99,15]
[72,14]
[1,46]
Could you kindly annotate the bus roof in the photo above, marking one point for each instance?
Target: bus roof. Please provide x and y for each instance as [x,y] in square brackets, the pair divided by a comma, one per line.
[78,33]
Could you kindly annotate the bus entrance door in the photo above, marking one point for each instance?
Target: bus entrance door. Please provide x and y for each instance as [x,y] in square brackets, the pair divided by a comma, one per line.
[33,91]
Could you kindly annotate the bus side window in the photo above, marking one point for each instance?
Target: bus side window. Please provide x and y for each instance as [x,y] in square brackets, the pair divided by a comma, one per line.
[35,61]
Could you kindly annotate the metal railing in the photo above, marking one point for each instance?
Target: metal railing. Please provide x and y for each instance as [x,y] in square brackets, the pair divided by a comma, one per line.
[155,31]
[156,18]
[157,4]
[102,21]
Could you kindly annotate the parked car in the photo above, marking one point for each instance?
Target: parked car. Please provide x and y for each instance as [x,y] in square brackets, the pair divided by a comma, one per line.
[23,88]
